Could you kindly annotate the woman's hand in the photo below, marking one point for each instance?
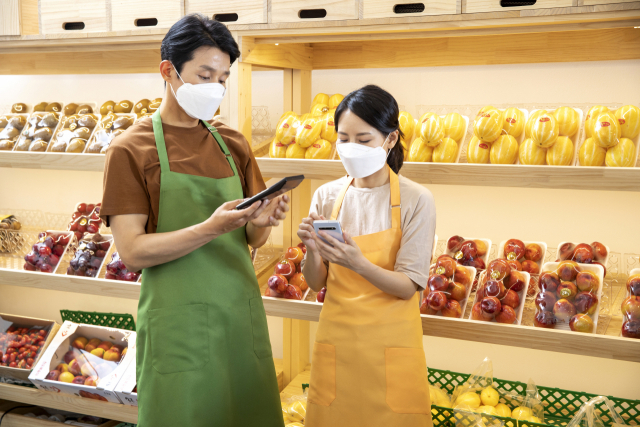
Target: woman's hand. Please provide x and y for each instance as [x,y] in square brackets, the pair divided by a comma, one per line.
[346,254]
[306,232]
[274,211]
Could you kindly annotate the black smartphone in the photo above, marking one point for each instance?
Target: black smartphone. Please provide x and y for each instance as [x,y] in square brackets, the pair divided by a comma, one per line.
[281,187]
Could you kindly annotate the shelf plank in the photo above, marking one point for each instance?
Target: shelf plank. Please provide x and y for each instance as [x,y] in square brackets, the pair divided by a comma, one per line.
[57,161]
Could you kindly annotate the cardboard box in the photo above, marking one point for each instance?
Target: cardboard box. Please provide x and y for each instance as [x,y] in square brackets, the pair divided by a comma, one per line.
[7,320]
[16,417]
[124,389]
[109,373]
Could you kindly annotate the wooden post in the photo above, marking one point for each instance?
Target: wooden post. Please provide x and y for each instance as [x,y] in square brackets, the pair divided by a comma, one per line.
[301,91]
[237,109]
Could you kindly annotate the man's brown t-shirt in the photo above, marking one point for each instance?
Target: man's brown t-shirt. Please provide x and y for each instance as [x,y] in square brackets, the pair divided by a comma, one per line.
[132,168]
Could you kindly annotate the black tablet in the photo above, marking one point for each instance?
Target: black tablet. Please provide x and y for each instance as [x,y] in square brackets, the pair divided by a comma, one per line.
[281,187]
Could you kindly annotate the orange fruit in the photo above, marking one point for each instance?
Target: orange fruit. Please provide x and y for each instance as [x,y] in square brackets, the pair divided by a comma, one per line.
[446,151]
[431,129]
[296,151]
[321,149]
[532,154]
[277,150]
[591,154]
[544,130]
[420,152]
[606,130]
[478,151]
[514,121]
[309,131]
[531,121]
[561,152]
[454,126]
[335,100]
[319,109]
[504,150]
[590,120]
[407,126]
[328,130]
[621,155]
[629,120]
[285,131]
[568,120]
[488,124]
[320,98]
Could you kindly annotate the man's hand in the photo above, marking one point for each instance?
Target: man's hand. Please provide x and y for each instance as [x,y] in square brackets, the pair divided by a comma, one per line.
[273,211]
[226,218]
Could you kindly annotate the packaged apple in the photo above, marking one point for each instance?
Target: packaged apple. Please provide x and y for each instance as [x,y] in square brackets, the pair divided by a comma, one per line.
[582,253]
[524,256]
[46,252]
[497,135]
[85,220]
[127,387]
[116,270]
[22,342]
[630,307]
[448,288]
[551,137]
[438,139]
[611,138]
[569,296]
[11,125]
[86,361]
[288,281]
[110,126]
[73,133]
[38,131]
[90,255]
[501,294]
[471,252]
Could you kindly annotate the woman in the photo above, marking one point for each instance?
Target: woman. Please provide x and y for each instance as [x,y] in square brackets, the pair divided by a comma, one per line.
[171,186]
[368,367]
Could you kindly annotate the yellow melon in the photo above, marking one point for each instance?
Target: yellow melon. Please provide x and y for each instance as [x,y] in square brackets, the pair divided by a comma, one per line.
[590,120]
[544,130]
[407,125]
[513,121]
[431,129]
[532,119]
[420,152]
[488,124]
[277,150]
[329,131]
[296,151]
[406,147]
[532,154]
[335,100]
[561,152]
[446,151]
[478,151]
[285,131]
[321,149]
[606,130]
[629,120]
[309,131]
[319,109]
[320,98]
[568,120]
[504,150]
[591,154]
[454,126]
[621,155]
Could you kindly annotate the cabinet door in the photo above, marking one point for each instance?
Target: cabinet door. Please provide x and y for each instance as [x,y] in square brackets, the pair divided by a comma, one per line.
[408,8]
[230,11]
[313,10]
[9,18]
[132,15]
[477,6]
[63,16]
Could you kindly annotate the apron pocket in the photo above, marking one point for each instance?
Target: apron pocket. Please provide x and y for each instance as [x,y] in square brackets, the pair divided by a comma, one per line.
[261,341]
[171,350]
[407,381]
[323,374]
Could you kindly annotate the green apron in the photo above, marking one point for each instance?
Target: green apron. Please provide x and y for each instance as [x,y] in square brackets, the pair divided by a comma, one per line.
[204,355]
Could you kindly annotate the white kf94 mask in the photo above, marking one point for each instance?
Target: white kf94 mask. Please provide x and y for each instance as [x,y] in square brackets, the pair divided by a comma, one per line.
[199,101]
[361,161]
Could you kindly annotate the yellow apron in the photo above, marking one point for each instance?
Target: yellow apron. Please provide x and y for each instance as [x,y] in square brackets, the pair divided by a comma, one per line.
[368,367]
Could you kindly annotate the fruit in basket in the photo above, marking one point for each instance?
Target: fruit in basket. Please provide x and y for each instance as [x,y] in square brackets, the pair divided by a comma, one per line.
[66,377]
[560,153]
[567,290]
[328,131]
[79,343]
[631,308]
[454,126]
[294,254]
[105,345]
[295,151]
[521,413]
[629,120]
[74,367]
[530,153]
[468,250]
[321,295]
[622,155]
[407,125]
[53,375]
[515,281]
[112,355]
[498,269]
[278,284]
[446,151]
[420,151]
[583,254]
[335,100]
[565,251]
[481,247]
[581,323]
[285,268]
[600,251]
[587,281]
[98,352]
[320,98]
[507,315]
[319,109]
[319,150]
[431,129]
[568,270]
[511,299]
[457,291]
[591,154]
[494,288]
[545,300]
[425,309]
[436,300]
[438,282]
[490,396]
[545,319]
[586,302]
[309,131]
[631,329]
[514,264]
[277,150]
[633,285]
[455,243]
[544,130]
[503,410]
[533,252]
[592,116]
[530,267]
[513,121]
[285,130]
[478,151]
[564,310]
[490,306]
[568,120]
[446,266]
[514,249]
[606,130]
[487,126]
[299,281]
[452,309]
[469,399]
[463,276]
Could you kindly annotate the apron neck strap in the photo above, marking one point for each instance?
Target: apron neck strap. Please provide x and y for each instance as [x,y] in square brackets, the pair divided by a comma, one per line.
[394,185]
[162,148]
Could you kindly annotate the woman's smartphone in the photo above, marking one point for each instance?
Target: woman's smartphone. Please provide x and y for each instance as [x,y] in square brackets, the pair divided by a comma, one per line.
[332,228]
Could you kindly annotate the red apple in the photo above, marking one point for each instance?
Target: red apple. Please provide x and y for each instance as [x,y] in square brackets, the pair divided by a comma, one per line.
[458,291]
[491,306]
[478,314]
[452,309]
[111,355]
[278,283]
[583,254]
[514,249]
[321,295]
[533,252]
[530,267]
[563,310]
[69,356]
[438,282]
[514,264]
[425,309]
[567,290]
[79,379]
[469,249]
[29,267]
[91,381]
[299,281]
[495,288]
[437,300]
[477,263]
[545,319]
[507,315]
[511,299]
[586,281]
[74,367]
[631,308]
[568,270]
[105,345]
[455,243]
[631,329]
[79,343]
[566,251]
[545,300]
[446,266]
[586,302]
[285,268]
[581,323]
[499,269]
[53,376]
[516,281]
[599,251]
[294,254]
[633,285]
[303,247]
[463,276]
[549,282]
[293,292]
[481,247]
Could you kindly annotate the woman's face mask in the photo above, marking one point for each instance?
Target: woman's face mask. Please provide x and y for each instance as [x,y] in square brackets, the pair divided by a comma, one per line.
[362,161]
[199,101]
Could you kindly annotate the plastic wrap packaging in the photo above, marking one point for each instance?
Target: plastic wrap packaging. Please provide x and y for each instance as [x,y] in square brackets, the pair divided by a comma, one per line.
[582,253]
[569,296]
[524,256]
[47,251]
[287,280]
[116,270]
[630,307]
[551,137]
[294,410]
[73,133]
[497,135]
[85,220]
[587,415]
[38,131]
[90,255]
[437,138]
[142,109]
[448,288]
[501,294]
[20,345]
[110,126]
[611,138]
[11,127]
[471,252]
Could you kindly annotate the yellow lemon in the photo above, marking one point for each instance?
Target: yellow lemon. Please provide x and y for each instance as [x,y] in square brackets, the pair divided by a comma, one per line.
[606,130]
[454,126]
[521,413]
[544,131]
[488,125]
[533,419]
[407,125]
[532,154]
[446,151]
[504,151]
[487,409]
[277,150]
[335,100]
[478,151]
[591,118]
[297,411]
[514,121]
[321,149]
[560,153]
[568,120]
[431,129]
[531,121]
[591,154]
[285,131]
[296,151]
[622,155]
[420,152]
[328,130]
[309,131]
[320,98]
[319,109]
[470,399]
[490,396]
[629,120]
[503,410]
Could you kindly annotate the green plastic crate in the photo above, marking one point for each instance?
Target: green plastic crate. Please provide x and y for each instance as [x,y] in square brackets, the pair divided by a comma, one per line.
[560,405]
[109,320]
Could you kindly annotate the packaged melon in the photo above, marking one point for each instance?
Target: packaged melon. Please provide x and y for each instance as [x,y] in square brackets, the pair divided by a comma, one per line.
[545,130]
[420,151]
[478,151]
[296,151]
[446,151]
[591,154]
[532,154]
[488,124]
[561,152]
[622,155]
[431,129]
[531,121]
[286,131]
[568,120]
[335,100]
[277,150]
[407,126]
[320,98]
[319,109]
[329,131]
[309,131]
[513,121]
[504,150]
[321,149]
[629,121]
[454,126]
[606,130]
[591,118]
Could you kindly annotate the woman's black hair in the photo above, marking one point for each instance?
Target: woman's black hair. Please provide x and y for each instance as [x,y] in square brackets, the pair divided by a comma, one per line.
[379,109]
[192,32]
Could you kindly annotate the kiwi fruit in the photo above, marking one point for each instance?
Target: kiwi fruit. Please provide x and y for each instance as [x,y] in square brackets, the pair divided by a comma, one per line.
[83,133]
[19,107]
[38,145]
[141,105]
[76,145]
[123,107]
[58,147]
[70,109]
[122,123]
[107,107]
[18,122]
[6,145]
[3,122]
[40,107]
[49,120]
[54,107]
[10,133]
[43,133]
[87,121]
[23,144]
[84,109]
